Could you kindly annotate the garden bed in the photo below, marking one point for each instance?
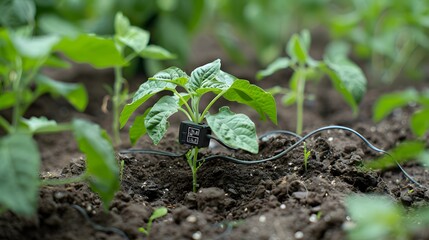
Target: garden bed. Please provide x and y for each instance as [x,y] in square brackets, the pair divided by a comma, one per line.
[274,200]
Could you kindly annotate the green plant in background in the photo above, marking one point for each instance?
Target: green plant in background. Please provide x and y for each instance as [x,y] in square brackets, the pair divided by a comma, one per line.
[234,19]
[21,83]
[419,124]
[162,18]
[347,78]
[378,217]
[128,43]
[235,130]
[158,213]
[391,34]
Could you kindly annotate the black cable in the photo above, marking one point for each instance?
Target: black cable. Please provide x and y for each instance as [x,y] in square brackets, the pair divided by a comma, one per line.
[154,152]
[302,139]
[277,156]
[261,138]
[99,227]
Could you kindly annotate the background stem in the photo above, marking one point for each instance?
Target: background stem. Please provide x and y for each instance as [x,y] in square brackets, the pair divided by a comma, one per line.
[116,104]
[300,100]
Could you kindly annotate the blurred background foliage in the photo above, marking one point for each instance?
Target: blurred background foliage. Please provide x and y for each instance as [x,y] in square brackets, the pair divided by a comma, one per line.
[389,37]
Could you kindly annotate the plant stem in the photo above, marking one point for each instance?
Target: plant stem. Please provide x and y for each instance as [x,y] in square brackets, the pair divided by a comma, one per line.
[300,100]
[193,163]
[191,157]
[210,105]
[116,104]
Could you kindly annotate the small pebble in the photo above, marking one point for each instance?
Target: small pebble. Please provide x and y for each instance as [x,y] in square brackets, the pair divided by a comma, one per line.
[313,218]
[262,219]
[299,235]
[283,206]
[197,235]
[191,219]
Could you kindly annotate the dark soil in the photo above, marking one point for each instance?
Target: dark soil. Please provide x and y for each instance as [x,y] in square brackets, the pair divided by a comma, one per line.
[273,200]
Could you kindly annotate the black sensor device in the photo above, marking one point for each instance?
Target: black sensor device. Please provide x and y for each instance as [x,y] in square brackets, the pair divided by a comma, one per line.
[194,134]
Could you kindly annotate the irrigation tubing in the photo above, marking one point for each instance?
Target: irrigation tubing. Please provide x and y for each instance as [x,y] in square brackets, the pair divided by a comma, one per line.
[99,227]
[279,155]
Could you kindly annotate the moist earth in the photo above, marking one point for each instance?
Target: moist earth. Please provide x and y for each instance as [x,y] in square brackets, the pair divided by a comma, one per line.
[279,199]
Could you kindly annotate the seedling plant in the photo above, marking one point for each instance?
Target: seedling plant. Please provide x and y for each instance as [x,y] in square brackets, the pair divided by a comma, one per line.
[347,78]
[235,130]
[157,213]
[128,43]
[21,83]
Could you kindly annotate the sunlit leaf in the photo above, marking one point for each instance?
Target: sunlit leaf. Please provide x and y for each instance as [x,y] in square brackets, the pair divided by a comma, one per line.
[43,125]
[235,130]
[35,47]
[97,51]
[263,102]
[156,52]
[203,73]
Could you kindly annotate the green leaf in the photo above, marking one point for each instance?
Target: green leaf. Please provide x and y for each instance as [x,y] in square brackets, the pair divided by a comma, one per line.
[122,24]
[7,100]
[376,217]
[401,153]
[278,64]
[297,50]
[221,82]
[43,125]
[420,122]
[156,121]
[348,79]
[204,73]
[53,24]
[156,52]
[159,212]
[35,47]
[388,102]
[145,91]
[235,130]
[97,51]
[19,174]
[131,36]
[135,38]
[102,168]
[74,93]
[138,128]
[263,102]
[172,74]
[25,10]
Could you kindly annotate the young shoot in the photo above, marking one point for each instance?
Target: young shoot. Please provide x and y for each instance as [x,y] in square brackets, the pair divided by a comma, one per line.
[307,154]
[235,130]
[158,213]
[347,78]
